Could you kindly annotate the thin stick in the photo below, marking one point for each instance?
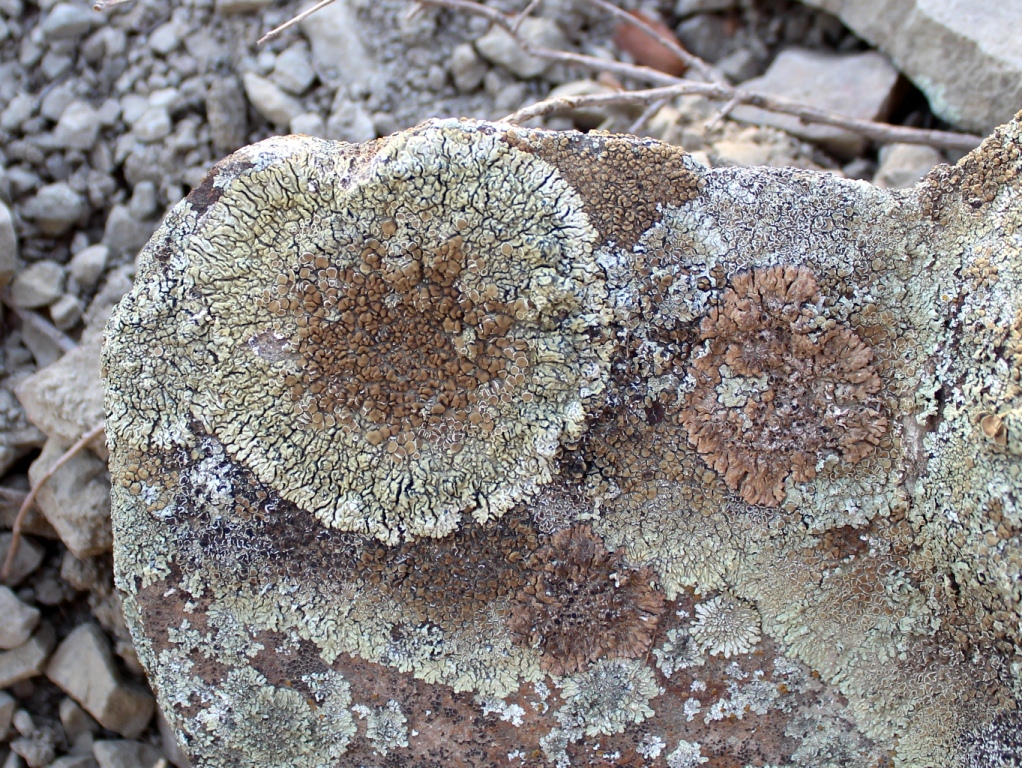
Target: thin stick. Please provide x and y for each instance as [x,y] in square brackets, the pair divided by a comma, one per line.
[291,22]
[647,115]
[523,16]
[26,505]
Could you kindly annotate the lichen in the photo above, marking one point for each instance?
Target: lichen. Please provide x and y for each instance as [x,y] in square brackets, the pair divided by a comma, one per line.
[386,727]
[725,626]
[606,698]
[687,754]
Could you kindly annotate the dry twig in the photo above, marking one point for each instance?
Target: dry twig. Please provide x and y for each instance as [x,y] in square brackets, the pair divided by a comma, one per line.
[26,505]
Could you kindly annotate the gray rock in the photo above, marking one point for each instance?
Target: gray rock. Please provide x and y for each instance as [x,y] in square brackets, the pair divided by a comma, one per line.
[857,85]
[55,208]
[78,126]
[705,35]
[18,110]
[970,67]
[152,125]
[123,235]
[18,623]
[125,754]
[227,114]
[28,558]
[143,201]
[498,47]
[309,123]
[467,69]
[74,761]
[76,499]
[902,165]
[83,667]
[87,266]
[43,340]
[17,435]
[28,660]
[75,720]
[228,7]
[69,21]
[338,53]
[7,705]
[8,245]
[689,7]
[293,70]
[56,101]
[133,106]
[166,38]
[38,286]
[348,121]
[37,748]
[270,101]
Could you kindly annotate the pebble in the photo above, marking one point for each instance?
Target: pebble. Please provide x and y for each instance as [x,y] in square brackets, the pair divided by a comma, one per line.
[171,749]
[28,660]
[166,38]
[152,125]
[271,101]
[124,235]
[7,705]
[56,101]
[75,720]
[500,48]
[903,165]
[125,754]
[76,499]
[75,761]
[18,623]
[8,245]
[66,312]
[309,123]
[143,201]
[348,121]
[87,266]
[20,109]
[704,35]
[55,208]
[28,558]
[227,114]
[133,106]
[69,21]
[338,53]
[467,69]
[293,70]
[83,667]
[78,126]
[37,748]
[689,7]
[39,285]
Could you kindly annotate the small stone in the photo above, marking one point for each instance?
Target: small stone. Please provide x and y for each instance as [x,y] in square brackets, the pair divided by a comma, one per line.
[349,122]
[338,52]
[740,153]
[166,38]
[228,7]
[78,126]
[293,70]
[270,101]
[143,201]
[7,705]
[87,266]
[124,235]
[499,47]
[66,311]
[171,749]
[39,285]
[55,208]
[133,106]
[704,35]
[37,748]
[467,69]
[125,754]
[19,620]
[903,165]
[20,109]
[689,7]
[309,123]
[75,720]
[69,21]
[76,499]
[28,660]
[83,667]
[227,114]
[8,245]
[152,125]
[74,761]
[23,722]
[83,575]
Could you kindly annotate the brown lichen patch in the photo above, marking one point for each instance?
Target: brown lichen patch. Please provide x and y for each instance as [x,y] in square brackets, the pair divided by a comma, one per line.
[623,182]
[778,387]
[582,603]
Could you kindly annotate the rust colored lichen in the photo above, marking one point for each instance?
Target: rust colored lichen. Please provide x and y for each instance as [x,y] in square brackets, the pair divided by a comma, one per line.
[583,603]
[777,389]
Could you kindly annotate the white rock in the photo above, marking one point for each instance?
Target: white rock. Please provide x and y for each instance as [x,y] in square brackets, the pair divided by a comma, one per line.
[87,266]
[76,499]
[293,70]
[28,660]
[78,126]
[857,85]
[68,21]
[152,125]
[349,122]
[902,165]
[83,667]
[467,69]
[270,101]
[20,109]
[39,285]
[166,38]
[55,208]
[133,106]
[8,245]
[18,621]
[28,558]
[309,123]
[143,201]
[498,47]
[125,754]
[124,235]
[338,53]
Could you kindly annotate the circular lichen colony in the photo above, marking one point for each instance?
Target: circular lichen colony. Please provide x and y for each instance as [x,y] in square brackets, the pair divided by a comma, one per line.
[779,386]
[409,349]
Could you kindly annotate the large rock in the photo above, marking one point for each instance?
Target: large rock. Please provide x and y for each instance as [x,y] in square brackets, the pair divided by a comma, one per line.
[524,445]
[971,65]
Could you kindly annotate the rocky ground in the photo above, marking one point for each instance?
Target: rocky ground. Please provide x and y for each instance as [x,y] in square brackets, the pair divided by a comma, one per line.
[108,119]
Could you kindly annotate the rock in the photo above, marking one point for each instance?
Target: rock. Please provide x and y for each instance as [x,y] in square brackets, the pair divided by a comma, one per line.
[69,21]
[338,53]
[19,620]
[857,85]
[143,201]
[309,123]
[689,7]
[83,667]
[76,499]
[7,705]
[152,125]
[124,235]
[87,266]
[78,126]
[902,165]
[28,660]
[270,101]
[125,754]
[66,312]
[20,109]
[37,747]
[65,400]
[166,38]
[28,558]
[75,720]
[117,283]
[227,113]
[171,749]
[498,47]
[349,122]
[55,208]
[8,246]
[74,761]
[467,69]
[38,286]
[228,7]
[17,435]
[293,70]
[704,35]
[970,68]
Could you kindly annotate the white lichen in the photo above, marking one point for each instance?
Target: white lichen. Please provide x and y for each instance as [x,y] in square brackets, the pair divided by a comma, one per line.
[726,626]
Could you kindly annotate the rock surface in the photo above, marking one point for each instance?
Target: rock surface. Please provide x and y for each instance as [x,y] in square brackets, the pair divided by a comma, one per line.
[18,621]
[699,476]
[27,660]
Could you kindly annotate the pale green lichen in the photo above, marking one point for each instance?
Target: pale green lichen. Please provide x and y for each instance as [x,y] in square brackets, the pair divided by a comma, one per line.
[606,698]
[386,727]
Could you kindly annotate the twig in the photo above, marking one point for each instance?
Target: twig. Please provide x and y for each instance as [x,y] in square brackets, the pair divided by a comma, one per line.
[103,5]
[523,16]
[722,113]
[647,115]
[26,505]
[879,132]
[290,22]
